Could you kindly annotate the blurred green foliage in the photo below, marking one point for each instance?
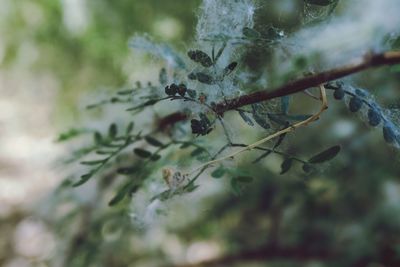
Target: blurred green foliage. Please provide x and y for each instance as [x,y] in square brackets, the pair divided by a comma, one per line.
[347,214]
[94,56]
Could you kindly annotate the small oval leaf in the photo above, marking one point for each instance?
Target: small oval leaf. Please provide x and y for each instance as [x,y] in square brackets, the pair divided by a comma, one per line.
[112,131]
[98,139]
[325,155]
[250,33]
[84,179]
[142,153]
[93,162]
[120,194]
[152,141]
[129,128]
[286,165]
[204,78]
[197,152]
[246,118]
[218,173]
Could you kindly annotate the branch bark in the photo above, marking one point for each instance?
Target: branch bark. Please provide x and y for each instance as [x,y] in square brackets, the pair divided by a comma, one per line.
[368,61]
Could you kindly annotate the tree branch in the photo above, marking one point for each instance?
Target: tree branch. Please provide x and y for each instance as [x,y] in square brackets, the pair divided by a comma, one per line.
[368,61]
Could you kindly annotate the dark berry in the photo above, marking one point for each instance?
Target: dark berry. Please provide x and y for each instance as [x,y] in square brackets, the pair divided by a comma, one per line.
[374,117]
[170,91]
[182,90]
[355,104]
[338,94]
[389,134]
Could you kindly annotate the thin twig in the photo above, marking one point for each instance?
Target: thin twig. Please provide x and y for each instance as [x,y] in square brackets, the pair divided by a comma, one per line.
[314,117]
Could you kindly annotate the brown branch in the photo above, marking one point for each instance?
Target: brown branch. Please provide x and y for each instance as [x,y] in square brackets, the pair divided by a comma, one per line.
[270,252]
[368,61]
[171,120]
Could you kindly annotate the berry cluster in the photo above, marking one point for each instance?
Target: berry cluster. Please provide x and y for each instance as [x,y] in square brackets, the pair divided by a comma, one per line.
[358,99]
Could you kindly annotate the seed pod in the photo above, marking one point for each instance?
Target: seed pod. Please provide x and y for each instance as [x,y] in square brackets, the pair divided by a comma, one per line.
[355,104]
[182,90]
[338,94]
[361,92]
[388,134]
[374,117]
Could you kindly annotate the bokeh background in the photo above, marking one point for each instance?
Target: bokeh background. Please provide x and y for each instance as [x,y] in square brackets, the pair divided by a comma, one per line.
[56,56]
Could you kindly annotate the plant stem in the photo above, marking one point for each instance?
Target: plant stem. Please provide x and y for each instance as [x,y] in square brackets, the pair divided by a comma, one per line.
[368,61]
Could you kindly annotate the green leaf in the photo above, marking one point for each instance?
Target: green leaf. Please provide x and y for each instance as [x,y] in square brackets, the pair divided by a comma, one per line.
[325,155]
[185,145]
[204,78]
[70,134]
[93,162]
[197,151]
[250,33]
[155,157]
[219,172]
[84,179]
[191,187]
[219,53]
[228,69]
[129,128]
[286,165]
[112,131]
[259,117]
[142,153]
[163,79]
[246,118]
[98,139]
[122,192]
[152,141]
[127,170]
[200,57]
[125,92]
[104,152]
